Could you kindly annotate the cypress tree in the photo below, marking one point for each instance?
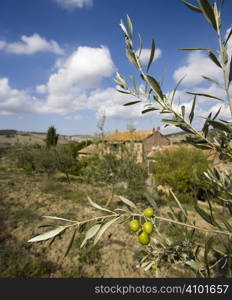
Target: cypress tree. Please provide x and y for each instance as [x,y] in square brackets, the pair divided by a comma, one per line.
[52,137]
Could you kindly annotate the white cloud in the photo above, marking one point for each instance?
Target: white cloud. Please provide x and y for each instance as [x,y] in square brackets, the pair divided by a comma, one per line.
[68,4]
[197,65]
[145,55]
[2,44]
[31,44]
[41,89]
[15,101]
[68,88]
[111,102]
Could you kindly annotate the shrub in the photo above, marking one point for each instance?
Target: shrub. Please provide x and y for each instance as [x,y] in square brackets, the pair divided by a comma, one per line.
[108,168]
[182,170]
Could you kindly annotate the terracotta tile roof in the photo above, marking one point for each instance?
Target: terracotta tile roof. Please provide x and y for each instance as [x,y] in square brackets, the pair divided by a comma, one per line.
[88,149]
[129,136]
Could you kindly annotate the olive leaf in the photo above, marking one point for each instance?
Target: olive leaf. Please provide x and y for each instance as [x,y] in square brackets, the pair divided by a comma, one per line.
[205,95]
[204,215]
[122,25]
[219,125]
[192,7]
[98,206]
[131,103]
[90,234]
[208,12]
[191,115]
[132,58]
[228,37]
[179,204]
[140,45]
[103,229]
[57,218]
[230,74]
[208,247]
[211,80]
[149,109]
[130,26]
[191,49]
[47,235]
[176,87]
[152,55]
[70,242]
[127,202]
[214,59]
[154,85]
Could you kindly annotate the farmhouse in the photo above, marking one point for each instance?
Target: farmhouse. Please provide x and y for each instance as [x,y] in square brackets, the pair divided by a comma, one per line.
[142,143]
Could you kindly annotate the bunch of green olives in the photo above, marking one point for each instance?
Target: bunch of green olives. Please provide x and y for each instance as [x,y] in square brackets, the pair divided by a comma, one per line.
[144,236]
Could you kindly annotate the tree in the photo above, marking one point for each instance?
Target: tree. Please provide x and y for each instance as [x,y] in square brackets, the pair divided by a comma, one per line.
[52,137]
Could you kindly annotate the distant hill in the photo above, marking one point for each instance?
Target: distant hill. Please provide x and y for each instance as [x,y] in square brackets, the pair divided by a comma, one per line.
[10,137]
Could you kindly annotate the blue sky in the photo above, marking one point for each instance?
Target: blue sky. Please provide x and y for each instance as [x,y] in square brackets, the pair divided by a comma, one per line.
[58,59]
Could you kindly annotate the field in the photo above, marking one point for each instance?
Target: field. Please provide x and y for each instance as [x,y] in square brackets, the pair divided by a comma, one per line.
[24,200]
[28,196]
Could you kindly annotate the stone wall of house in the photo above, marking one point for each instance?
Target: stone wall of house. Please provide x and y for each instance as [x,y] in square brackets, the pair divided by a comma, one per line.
[156,139]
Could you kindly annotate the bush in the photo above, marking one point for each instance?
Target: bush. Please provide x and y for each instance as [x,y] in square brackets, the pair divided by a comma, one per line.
[182,170]
[111,170]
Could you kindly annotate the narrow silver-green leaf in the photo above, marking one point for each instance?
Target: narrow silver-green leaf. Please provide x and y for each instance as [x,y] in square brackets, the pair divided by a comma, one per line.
[191,115]
[217,113]
[230,72]
[140,45]
[214,59]
[90,234]
[179,204]
[152,55]
[98,206]
[211,80]
[70,242]
[171,122]
[132,58]
[154,85]
[208,12]
[228,226]
[192,7]
[176,87]
[228,37]
[103,229]
[122,25]
[219,125]
[204,215]
[131,103]
[183,110]
[127,202]
[47,235]
[192,49]
[149,109]
[205,95]
[130,26]
[208,247]
[123,92]
[58,218]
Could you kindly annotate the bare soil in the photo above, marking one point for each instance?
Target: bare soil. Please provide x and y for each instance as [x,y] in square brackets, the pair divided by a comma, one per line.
[25,199]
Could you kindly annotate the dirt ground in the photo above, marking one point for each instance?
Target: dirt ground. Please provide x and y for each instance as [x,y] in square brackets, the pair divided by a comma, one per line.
[23,202]
[24,199]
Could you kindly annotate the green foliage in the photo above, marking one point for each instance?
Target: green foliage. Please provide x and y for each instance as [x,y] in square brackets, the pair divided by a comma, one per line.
[182,170]
[52,137]
[38,159]
[110,169]
[77,146]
